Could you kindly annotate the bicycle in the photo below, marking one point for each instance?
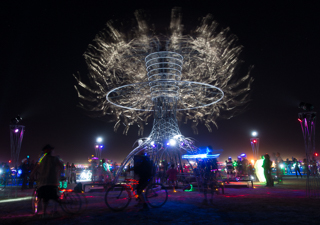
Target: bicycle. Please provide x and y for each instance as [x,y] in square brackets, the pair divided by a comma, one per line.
[69,201]
[118,197]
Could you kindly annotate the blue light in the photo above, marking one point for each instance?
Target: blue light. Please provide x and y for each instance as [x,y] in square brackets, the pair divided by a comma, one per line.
[243,155]
[19,171]
[200,156]
[101,146]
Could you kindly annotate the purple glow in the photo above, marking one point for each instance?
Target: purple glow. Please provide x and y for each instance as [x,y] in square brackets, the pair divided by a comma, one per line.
[101,146]
[16,130]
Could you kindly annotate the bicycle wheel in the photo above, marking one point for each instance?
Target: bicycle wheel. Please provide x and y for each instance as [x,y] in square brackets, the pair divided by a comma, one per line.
[156,195]
[117,197]
[70,202]
[36,203]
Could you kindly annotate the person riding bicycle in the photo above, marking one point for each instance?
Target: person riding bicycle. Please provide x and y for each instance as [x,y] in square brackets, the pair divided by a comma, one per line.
[49,168]
[143,167]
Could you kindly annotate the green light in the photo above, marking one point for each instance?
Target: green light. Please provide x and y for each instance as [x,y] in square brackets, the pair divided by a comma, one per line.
[191,188]
[42,158]
[65,184]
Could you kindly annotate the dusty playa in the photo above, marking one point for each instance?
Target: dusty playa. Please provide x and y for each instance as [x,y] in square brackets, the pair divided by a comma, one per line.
[284,203]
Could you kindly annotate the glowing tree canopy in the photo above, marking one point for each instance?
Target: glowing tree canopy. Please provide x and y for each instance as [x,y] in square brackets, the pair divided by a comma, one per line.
[118,68]
[174,77]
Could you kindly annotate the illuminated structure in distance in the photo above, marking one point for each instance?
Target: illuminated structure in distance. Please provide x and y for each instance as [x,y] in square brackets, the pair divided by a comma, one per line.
[307,121]
[173,78]
[98,147]
[255,141]
[16,137]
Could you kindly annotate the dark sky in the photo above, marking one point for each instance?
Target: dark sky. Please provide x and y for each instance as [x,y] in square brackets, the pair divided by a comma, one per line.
[42,45]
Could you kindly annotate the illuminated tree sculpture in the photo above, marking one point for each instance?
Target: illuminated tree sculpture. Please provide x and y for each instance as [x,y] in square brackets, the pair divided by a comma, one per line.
[174,77]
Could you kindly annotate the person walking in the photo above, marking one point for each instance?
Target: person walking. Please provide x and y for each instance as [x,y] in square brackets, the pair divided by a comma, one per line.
[267,170]
[296,167]
[49,168]
[172,176]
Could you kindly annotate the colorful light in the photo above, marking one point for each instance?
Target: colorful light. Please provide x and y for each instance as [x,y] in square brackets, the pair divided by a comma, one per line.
[191,188]
[16,130]
[200,156]
[41,158]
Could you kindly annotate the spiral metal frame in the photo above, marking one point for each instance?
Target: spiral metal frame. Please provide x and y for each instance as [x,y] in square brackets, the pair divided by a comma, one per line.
[164,73]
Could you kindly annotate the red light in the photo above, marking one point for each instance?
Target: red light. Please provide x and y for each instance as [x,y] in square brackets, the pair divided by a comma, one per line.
[254,141]
[316,154]
[299,120]
[9,161]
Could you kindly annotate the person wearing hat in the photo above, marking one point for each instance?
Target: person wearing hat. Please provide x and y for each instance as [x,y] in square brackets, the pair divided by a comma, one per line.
[49,168]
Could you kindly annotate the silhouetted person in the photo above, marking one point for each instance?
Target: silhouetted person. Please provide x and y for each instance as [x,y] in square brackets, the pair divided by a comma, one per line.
[230,168]
[24,173]
[73,173]
[267,170]
[172,176]
[278,161]
[68,172]
[288,165]
[144,169]
[296,167]
[49,169]
[31,178]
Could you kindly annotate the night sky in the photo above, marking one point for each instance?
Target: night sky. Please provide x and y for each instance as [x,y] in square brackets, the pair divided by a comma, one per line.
[42,46]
